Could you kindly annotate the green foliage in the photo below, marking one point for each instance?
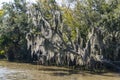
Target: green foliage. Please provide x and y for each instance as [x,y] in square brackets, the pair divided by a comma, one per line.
[2,52]
[1,13]
[14,26]
[87,14]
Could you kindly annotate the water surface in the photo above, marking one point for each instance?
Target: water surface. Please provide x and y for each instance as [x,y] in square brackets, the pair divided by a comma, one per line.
[10,74]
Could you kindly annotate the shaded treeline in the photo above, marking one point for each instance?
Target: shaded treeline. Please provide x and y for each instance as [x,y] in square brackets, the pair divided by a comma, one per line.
[85,36]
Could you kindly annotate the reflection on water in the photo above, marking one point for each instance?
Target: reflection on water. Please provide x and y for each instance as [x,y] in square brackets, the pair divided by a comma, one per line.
[9,74]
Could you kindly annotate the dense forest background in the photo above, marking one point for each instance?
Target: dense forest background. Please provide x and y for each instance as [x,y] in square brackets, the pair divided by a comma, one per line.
[81,33]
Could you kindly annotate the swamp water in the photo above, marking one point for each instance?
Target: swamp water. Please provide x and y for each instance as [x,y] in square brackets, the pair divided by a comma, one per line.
[10,74]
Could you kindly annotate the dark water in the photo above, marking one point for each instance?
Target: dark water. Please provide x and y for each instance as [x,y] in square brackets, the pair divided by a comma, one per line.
[10,74]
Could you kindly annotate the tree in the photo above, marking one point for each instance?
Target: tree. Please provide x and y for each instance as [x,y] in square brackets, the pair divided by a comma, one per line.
[88,43]
[14,27]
